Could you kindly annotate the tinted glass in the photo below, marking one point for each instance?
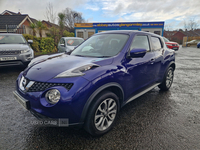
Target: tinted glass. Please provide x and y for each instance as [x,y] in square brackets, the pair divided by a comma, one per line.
[12,39]
[156,43]
[103,45]
[140,42]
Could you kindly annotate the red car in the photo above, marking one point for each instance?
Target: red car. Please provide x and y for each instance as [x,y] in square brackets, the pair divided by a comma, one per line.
[171,45]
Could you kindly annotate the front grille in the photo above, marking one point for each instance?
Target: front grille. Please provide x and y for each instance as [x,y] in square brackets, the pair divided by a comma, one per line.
[41,86]
[11,52]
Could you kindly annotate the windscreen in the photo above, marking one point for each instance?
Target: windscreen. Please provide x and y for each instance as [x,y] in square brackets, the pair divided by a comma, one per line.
[12,39]
[74,42]
[102,45]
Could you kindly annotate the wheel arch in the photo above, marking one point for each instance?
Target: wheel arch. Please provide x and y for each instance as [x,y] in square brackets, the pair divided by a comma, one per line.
[113,87]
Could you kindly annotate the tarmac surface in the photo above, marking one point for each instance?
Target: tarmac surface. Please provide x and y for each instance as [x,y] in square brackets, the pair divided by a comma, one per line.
[157,120]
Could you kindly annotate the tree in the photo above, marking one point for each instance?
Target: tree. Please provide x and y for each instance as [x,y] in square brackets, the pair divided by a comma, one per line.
[40,27]
[50,15]
[33,27]
[61,17]
[72,17]
[191,24]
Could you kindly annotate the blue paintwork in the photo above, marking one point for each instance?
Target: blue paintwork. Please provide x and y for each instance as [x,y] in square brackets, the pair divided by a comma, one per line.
[198,45]
[133,75]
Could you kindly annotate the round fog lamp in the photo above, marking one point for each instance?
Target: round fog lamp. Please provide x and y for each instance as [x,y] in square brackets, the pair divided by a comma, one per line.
[53,96]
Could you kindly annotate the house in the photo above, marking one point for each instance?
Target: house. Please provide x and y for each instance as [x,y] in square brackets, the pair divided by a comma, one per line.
[168,34]
[177,36]
[17,23]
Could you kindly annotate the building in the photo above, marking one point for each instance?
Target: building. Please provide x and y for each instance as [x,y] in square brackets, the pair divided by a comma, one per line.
[20,23]
[85,30]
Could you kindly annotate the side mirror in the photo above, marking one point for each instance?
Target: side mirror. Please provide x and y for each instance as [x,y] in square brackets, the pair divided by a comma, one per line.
[30,41]
[63,45]
[136,53]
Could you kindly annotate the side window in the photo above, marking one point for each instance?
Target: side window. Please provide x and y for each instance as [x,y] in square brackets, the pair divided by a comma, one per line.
[62,41]
[156,43]
[140,41]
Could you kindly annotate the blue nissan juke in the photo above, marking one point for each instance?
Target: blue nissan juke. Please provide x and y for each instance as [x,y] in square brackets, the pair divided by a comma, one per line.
[89,86]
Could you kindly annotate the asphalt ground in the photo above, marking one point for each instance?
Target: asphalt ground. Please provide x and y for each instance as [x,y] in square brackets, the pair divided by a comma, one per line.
[157,120]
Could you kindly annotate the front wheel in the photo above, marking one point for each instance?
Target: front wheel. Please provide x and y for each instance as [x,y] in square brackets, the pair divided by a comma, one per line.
[168,79]
[102,114]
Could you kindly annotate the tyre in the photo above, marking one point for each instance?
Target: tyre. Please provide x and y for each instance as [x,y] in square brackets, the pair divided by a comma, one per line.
[168,79]
[102,114]
[188,45]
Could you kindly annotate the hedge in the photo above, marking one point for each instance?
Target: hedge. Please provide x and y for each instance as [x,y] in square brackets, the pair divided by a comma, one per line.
[41,44]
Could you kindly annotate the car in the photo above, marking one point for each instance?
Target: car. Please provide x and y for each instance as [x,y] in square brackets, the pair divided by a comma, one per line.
[89,87]
[67,44]
[171,45]
[14,50]
[198,45]
[193,42]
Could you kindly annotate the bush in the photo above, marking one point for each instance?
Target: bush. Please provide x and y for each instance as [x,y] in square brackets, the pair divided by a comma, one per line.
[47,45]
[68,34]
[36,41]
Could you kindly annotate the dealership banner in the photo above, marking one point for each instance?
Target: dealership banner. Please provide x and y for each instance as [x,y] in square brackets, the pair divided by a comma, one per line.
[120,25]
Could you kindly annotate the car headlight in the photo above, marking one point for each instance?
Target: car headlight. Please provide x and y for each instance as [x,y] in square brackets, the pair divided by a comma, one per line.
[52,96]
[74,72]
[25,51]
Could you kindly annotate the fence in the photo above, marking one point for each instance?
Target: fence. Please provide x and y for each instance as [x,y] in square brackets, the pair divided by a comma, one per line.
[16,29]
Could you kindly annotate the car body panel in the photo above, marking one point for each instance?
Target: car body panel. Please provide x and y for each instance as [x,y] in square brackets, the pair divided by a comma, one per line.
[68,47]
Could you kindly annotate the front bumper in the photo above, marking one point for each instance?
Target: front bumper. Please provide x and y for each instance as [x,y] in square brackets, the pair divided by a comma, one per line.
[20,59]
[70,106]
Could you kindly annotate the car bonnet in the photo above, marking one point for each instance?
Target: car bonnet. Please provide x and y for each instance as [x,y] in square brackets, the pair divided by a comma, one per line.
[50,67]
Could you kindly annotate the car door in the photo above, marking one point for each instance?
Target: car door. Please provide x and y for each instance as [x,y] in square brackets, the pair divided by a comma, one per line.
[61,45]
[158,50]
[140,70]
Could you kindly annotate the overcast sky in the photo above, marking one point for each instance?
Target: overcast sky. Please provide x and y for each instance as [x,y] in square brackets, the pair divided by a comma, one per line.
[173,12]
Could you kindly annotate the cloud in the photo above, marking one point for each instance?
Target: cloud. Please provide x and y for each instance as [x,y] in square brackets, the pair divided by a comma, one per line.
[92,7]
[37,8]
[151,10]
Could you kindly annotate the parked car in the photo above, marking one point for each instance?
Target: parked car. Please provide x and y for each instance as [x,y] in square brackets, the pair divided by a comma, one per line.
[171,45]
[90,86]
[198,45]
[193,42]
[67,44]
[14,50]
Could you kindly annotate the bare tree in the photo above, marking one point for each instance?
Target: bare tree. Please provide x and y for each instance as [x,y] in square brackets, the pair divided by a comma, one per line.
[191,24]
[50,14]
[168,27]
[72,17]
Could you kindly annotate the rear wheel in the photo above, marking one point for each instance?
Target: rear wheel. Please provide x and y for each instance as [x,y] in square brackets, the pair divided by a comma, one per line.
[102,114]
[168,79]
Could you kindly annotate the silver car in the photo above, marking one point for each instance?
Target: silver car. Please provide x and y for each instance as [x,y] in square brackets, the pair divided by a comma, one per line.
[67,44]
[14,50]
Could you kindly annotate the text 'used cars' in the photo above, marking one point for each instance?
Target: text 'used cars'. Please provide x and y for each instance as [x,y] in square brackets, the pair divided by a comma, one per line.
[90,86]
